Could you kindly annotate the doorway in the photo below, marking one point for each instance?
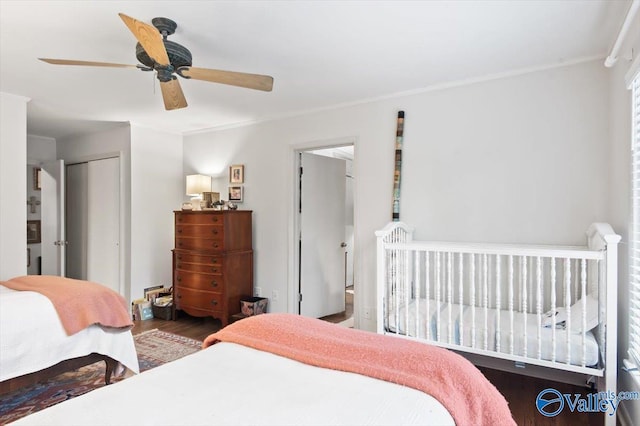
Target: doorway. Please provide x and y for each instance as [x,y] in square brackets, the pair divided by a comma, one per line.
[324,255]
[93,221]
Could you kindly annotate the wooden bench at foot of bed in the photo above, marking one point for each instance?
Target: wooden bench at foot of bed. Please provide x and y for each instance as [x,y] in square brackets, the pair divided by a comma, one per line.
[68,365]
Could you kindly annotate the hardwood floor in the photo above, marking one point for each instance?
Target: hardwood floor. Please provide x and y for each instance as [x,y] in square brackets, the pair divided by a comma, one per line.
[187,326]
[519,391]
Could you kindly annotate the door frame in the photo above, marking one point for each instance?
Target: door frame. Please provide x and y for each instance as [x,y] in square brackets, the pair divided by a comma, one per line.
[123,286]
[294,223]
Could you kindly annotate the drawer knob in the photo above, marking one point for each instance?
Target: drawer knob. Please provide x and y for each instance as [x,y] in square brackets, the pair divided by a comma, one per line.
[215,245]
[214,302]
[179,230]
[214,231]
[214,283]
[179,279]
[214,270]
[214,218]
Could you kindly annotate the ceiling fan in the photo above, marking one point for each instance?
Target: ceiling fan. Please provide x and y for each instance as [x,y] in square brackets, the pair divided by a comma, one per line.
[169,59]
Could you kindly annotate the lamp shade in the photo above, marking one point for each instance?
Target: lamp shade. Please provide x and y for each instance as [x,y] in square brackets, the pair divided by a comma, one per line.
[197,184]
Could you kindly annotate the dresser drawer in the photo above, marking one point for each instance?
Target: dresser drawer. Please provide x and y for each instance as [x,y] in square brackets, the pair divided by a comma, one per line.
[191,257]
[194,280]
[215,232]
[199,218]
[203,300]
[191,243]
[199,267]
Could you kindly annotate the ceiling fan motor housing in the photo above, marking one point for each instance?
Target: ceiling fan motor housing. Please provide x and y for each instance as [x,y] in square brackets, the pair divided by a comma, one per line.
[179,56]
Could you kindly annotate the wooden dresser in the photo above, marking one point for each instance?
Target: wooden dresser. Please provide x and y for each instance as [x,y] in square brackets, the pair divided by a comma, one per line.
[212,262]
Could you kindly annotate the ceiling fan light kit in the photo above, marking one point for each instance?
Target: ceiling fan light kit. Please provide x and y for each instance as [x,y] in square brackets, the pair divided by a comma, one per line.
[169,59]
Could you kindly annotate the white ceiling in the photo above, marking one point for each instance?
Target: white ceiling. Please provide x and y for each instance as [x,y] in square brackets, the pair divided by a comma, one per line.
[321,53]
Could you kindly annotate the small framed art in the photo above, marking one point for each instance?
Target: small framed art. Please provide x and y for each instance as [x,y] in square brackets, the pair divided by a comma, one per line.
[236,174]
[236,193]
[37,178]
[33,231]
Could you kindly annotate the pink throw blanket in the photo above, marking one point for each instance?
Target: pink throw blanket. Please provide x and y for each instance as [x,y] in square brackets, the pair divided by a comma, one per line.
[79,303]
[470,398]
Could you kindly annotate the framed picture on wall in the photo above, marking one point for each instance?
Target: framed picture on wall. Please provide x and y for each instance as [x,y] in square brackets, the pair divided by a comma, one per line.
[33,231]
[37,178]
[236,174]
[235,193]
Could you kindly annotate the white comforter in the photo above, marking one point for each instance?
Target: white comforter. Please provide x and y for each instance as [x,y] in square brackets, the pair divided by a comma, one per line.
[32,337]
[229,384]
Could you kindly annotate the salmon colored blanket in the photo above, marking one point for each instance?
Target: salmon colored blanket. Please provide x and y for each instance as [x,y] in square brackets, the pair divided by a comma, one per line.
[468,396]
[79,303]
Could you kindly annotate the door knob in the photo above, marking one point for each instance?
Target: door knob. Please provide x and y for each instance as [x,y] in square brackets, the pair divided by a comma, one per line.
[343,244]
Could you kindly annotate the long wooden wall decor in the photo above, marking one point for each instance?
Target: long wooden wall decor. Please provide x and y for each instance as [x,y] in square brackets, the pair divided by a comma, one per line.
[395,214]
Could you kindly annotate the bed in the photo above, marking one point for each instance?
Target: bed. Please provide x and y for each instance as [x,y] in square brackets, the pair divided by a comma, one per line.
[544,311]
[285,369]
[35,344]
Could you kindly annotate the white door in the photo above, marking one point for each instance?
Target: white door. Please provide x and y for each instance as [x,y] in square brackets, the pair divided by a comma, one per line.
[103,226]
[322,230]
[77,220]
[52,218]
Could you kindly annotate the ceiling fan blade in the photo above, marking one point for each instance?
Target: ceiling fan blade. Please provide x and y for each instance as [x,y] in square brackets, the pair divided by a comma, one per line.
[250,81]
[172,95]
[149,37]
[85,63]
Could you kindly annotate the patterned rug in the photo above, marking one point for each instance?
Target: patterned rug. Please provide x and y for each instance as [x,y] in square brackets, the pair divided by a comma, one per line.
[154,348]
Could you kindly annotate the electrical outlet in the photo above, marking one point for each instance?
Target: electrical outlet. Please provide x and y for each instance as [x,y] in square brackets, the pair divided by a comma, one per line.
[257,291]
[274,295]
[367,313]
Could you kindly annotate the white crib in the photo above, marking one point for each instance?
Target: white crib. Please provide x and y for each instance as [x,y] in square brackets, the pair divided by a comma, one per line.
[543,311]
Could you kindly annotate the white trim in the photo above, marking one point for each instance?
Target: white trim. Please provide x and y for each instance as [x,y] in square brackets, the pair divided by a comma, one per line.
[613,55]
[294,217]
[632,73]
[432,88]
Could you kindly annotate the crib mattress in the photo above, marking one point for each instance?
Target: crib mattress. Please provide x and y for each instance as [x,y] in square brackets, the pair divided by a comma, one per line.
[454,324]
[527,324]
[403,319]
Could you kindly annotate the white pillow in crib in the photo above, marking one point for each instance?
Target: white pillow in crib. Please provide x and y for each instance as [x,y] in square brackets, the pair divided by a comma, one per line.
[560,317]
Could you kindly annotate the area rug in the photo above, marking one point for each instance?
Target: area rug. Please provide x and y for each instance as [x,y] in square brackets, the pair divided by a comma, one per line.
[154,348]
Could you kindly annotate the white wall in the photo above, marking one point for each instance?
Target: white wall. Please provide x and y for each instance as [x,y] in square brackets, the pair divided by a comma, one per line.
[152,171]
[13,185]
[619,202]
[521,158]
[157,190]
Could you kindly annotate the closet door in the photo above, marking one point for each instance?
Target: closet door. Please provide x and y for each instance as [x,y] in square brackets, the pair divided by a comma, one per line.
[103,227]
[77,215]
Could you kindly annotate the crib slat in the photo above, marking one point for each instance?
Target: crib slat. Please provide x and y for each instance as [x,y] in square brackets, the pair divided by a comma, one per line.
[553,308]
[511,304]
[485,299]
[472,273]
[498,303]
[438,299]
[539,303]
[450,295]
[428,291]
[407,290]
[416,264]
[461,295]
[583,279]
[567,304]
[523,273]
